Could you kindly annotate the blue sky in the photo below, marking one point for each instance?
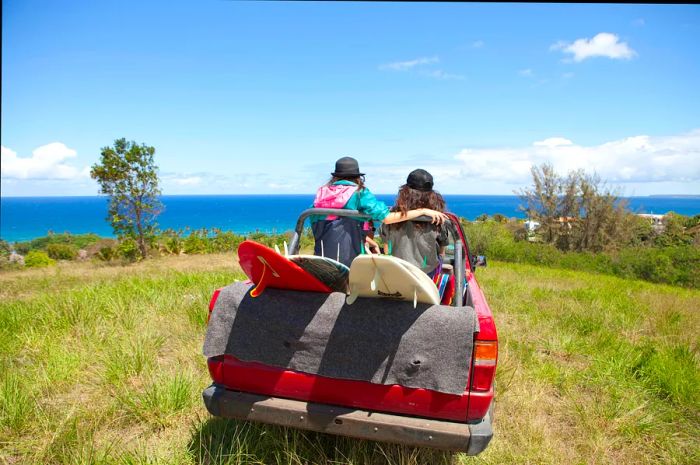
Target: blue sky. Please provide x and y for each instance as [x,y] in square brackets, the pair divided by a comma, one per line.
[263,97]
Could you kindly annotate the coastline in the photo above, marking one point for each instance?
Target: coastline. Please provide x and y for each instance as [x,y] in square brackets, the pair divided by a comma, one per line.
[27,218]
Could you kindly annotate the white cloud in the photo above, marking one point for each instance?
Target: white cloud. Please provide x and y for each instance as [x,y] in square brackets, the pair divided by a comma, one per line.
[406,65]
[188,181]
[179,181]
[421,62]
[553,142]
[530,74]
[440,74]
[387,177]
[46,162]
[603,44]
[478,44]
[636,159]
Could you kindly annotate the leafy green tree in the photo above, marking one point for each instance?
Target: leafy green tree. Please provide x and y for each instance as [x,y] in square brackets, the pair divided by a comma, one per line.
[128,175]
[674,231]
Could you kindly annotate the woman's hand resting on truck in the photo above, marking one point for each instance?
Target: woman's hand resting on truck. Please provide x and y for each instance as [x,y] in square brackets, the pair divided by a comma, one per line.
[438,217]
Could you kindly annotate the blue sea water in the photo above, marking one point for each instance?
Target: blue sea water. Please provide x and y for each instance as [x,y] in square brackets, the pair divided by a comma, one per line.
[25,218]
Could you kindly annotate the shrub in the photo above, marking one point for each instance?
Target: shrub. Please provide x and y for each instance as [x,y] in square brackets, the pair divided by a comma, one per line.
[22,248]
[37,258]
[129,249]
[78,241]
[106,253]
[197,242]
[270,239]
[7,264]
[95,249]
[170,242]
[306,241]
[675,264]
[5,248]
[225,241]
[62,251]
[499,218]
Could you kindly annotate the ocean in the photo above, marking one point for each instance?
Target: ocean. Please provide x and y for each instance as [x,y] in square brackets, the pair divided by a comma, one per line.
[26,218]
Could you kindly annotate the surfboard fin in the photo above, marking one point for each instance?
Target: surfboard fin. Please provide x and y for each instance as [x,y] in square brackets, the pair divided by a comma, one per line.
[260,287]
[415,297]
[322,254]
[375,278]
[267,274]
[352,297]
[277,249]
[286,249]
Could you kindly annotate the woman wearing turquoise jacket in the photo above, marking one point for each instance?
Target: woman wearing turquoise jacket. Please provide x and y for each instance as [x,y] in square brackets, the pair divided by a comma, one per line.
[343,238]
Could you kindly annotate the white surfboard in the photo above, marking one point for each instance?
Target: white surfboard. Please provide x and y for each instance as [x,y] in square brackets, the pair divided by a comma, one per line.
[330,272]
[389,277]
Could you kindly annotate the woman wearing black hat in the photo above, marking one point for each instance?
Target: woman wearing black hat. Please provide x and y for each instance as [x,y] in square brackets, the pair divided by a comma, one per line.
[344,238]
[422,244]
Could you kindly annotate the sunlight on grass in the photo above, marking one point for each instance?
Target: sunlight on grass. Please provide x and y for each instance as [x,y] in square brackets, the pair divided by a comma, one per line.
[104,365]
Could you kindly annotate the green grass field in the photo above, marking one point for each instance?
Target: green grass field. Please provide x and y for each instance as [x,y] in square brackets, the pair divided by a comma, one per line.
[103,364]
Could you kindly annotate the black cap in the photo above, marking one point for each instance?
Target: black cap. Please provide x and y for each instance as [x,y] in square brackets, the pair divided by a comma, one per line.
[347,167]
[420,179]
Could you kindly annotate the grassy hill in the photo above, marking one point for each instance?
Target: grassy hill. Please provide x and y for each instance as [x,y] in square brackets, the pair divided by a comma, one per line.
[103,364]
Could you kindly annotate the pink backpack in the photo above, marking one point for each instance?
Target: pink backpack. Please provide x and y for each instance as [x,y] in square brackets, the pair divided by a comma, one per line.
[333,196]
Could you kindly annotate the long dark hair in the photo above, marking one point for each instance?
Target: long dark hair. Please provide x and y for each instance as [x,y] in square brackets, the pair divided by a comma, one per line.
[359,180]
[411,199]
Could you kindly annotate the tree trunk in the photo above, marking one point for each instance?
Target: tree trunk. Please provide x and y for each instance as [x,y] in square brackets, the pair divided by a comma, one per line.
[141,240]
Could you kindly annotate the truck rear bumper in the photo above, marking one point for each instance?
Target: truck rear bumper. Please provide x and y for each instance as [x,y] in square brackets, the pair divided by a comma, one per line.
[417,432]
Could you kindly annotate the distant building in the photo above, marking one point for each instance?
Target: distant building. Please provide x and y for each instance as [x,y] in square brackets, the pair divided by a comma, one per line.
[657,221]
[531,225]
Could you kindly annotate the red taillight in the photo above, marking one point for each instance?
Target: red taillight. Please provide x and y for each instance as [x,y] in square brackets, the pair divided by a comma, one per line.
[485,357]
[212,302]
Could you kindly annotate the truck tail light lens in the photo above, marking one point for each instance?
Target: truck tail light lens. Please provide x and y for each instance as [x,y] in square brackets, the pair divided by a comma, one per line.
[485,357]
[212,302]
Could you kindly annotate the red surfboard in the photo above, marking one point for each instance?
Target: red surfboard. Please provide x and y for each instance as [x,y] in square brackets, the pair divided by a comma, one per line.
[267,268]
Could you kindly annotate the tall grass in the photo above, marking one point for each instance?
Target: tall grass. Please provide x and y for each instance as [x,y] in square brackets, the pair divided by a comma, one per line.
[104,365]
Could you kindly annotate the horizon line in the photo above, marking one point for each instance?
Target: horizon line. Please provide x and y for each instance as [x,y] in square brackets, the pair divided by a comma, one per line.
[313,193]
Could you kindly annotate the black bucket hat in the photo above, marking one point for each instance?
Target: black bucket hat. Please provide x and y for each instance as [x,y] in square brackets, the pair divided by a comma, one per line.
[420,179]
[346,167]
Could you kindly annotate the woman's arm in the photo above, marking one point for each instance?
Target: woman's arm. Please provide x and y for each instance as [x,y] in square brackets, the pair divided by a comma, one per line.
[396,217]
[371,247]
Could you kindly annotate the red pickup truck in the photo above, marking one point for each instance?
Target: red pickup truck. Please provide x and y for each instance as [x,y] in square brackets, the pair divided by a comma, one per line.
[255,391]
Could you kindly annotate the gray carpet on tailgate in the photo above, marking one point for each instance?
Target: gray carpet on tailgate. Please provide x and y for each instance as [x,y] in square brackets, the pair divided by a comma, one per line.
[377,340]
